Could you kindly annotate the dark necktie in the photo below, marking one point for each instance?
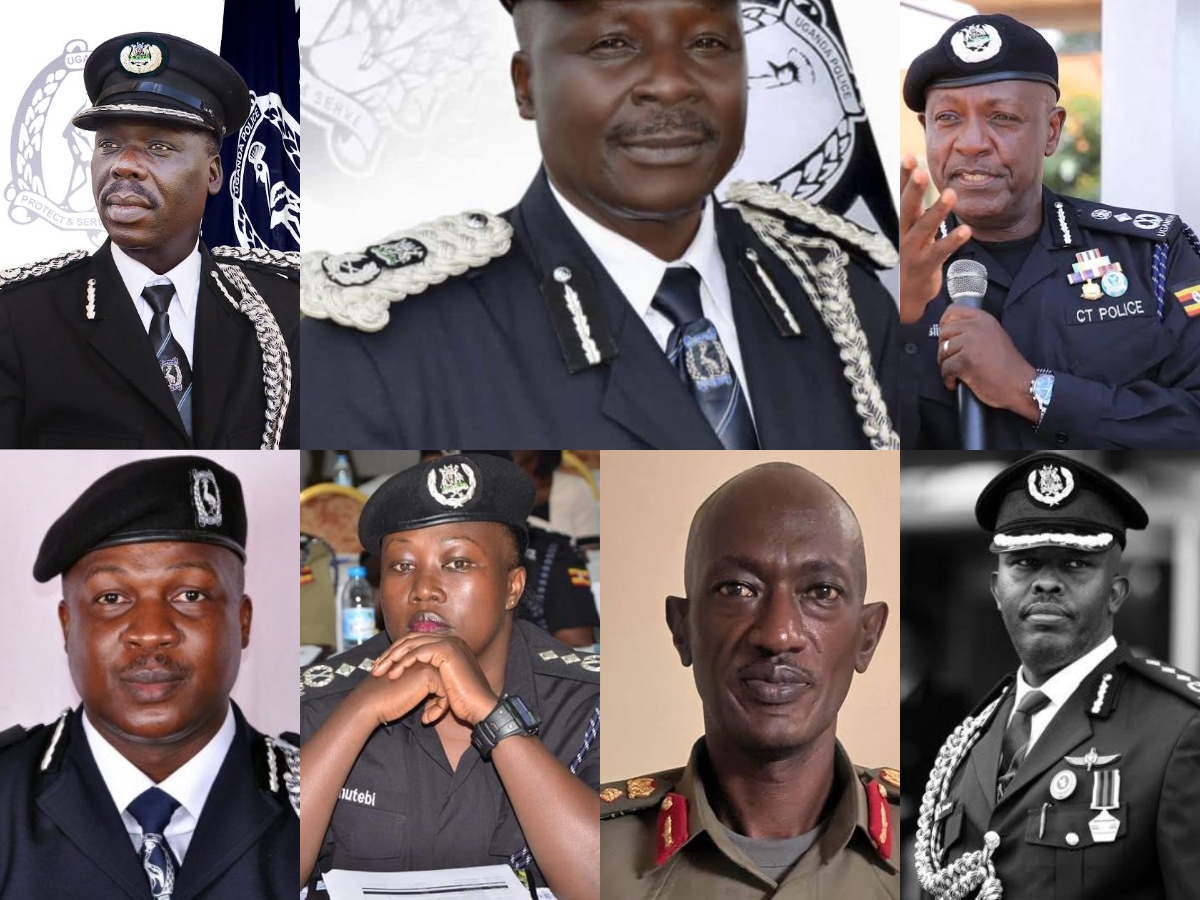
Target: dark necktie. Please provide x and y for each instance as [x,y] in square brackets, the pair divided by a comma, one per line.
[171,358]
[1016,739]
[153,809]
[695,350]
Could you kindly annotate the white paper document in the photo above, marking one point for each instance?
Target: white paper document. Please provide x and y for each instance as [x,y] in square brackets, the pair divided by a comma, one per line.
[477,883]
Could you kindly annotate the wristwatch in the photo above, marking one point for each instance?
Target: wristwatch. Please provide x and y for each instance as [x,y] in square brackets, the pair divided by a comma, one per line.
[511,716]
[1041,389]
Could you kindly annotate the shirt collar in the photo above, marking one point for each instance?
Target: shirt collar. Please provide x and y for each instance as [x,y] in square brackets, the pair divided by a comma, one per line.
[185,276]
[850,813]
[637,271]
[190,784]
[1063,683]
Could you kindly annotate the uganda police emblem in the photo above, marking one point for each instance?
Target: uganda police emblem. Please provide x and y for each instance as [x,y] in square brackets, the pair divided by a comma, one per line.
[797,61]
[1050,485]
[399,253]
[206,497]
[142,57]
[266,210]
[172,372]
[976,43]
[452,485]
[706,360]
[51,158]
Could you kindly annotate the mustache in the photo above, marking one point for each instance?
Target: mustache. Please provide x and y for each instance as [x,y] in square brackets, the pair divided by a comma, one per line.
[129,187]
[666,121]
[159,661]
[783,669]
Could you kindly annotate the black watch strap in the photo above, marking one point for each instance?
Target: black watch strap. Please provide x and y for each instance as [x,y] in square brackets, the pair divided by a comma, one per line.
[511,716]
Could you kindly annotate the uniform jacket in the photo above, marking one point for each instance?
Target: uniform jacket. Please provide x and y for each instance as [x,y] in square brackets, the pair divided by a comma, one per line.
[70,381]
[1123,377]
[855,857]
[1148,714]
[478,359]
[61,835]
[403,808]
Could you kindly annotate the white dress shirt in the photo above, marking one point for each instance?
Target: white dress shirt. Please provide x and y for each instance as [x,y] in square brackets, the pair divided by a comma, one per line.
[182,311]
[1059,687]
[189,784]
[638,273]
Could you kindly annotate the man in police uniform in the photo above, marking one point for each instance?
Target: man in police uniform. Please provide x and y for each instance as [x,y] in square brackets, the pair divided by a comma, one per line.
[156,788]
[1079,776]
[408,761]
[154,340]
[775,624]
[618,305]
[558,588]
[1087,334]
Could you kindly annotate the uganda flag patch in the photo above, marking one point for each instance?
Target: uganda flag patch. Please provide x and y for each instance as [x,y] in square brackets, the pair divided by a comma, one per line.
[1190,298]
[580,577]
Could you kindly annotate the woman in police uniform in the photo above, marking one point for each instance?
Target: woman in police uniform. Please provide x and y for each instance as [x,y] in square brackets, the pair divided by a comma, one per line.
[460,736]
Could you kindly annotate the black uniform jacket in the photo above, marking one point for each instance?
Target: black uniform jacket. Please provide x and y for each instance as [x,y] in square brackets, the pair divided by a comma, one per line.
[1149,717]
[403,808]
[72,382]
[61,835]
[1123,376]
[477,359]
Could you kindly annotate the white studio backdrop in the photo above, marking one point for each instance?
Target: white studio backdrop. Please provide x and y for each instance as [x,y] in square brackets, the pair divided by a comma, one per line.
[46,205]
[38,487]
[407,110]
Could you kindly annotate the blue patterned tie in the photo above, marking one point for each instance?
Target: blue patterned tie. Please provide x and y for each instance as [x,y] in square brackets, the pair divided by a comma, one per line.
[171,358]
[695,350]
[153,809]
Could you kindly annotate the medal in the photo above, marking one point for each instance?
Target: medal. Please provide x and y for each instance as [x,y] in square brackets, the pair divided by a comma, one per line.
[1063,785]
[1106,795]
[1114,283]
[1094,264]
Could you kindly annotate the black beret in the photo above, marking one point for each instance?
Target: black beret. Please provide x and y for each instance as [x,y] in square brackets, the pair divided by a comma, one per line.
[1049,500]
[470,487]
[174,498]
[979,50]
[160,76]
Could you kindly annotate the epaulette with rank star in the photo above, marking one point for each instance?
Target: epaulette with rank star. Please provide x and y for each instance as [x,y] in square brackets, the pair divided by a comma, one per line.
[579,666]
[620,798]
[883,792]
[1176,680]
[278,262]
[1136,223]
[51,265]
[357,289]
[341,674]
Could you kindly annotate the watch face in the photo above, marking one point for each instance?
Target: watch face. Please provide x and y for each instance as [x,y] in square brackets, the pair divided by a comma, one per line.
[526,718]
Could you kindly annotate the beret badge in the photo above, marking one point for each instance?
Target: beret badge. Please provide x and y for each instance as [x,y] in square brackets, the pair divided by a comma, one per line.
[976,43]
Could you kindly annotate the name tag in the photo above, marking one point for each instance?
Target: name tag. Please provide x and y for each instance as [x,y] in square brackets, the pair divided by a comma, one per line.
[1098,313]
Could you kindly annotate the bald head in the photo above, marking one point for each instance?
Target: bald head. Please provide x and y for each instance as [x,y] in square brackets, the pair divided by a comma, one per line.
[772,496]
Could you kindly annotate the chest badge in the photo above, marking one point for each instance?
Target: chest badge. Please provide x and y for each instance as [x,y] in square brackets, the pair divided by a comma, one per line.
[1063,785]
[1095,264]
[1091,759]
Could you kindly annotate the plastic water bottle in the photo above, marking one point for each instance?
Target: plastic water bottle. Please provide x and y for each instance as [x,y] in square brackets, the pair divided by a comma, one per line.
[357,603]
[343,472]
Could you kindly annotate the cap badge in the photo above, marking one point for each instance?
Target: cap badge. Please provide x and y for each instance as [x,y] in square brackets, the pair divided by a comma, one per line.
[976,43]
[206,497]
[141,58]
[452,485]
[1050,485]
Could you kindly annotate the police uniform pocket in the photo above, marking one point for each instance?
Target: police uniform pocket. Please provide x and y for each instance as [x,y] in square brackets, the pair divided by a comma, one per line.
[368,824]
[1119,352]
[1071,827]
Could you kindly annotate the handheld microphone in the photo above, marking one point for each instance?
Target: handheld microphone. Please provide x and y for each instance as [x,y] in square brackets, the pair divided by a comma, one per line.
[966,282]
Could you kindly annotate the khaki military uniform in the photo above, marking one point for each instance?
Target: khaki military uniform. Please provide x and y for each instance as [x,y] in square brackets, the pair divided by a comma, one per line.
[659,838]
